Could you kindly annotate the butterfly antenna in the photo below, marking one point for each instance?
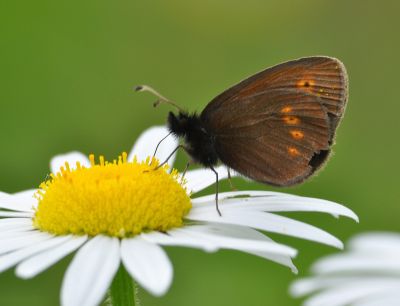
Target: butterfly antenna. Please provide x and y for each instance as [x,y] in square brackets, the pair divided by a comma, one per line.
[161,99]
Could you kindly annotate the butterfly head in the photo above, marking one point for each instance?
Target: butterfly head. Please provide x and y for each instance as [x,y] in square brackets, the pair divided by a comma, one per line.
[186,125]
[178,124]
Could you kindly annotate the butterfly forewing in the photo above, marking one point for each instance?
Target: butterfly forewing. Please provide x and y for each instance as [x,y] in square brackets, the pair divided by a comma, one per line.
[278,125]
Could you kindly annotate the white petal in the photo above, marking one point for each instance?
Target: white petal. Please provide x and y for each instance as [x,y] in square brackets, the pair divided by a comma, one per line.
[309,285]
[238,194]
[15,233]
[72,158]
[378,242]
[3,195]
[385,299]
[267,222]
[148,264]
[223,239]
[22,201]
[8,244]
[358,262]
[91,272]
[8,223]
[10,259]
[243,232]
[350,293]
[305,286]
[16,228]
[146,144]
[280,259]
[27,194]
[184,239]
[200,179]
[230,230]
[25,199]
[174,238]
[16,214]
[247,240]
[274,203]
[9,226]
[40,262]
[10,204]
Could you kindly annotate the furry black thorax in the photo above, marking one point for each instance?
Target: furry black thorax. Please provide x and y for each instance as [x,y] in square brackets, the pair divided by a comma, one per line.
[199,143]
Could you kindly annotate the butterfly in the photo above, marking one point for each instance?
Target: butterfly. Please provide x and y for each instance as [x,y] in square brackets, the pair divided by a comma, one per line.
[276,127]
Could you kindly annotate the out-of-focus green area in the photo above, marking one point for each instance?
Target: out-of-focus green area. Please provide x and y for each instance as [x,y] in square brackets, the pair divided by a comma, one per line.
[66,73]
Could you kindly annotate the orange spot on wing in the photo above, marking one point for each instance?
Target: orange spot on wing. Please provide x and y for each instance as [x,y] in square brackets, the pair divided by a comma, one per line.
[297,134]
[291,120]
[305,84]
[286,109]
[293,151]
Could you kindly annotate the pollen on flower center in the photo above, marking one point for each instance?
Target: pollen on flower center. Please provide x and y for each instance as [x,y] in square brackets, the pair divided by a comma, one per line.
[118,199]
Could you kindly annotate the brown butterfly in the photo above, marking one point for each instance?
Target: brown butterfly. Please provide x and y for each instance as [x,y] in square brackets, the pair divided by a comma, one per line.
[276,127]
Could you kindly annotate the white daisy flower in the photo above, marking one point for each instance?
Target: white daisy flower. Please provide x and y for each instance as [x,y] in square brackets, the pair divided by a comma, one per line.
[367,275]
[121,214]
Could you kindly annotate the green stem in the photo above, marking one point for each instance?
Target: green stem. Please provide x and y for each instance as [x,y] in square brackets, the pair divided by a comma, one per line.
[122,290]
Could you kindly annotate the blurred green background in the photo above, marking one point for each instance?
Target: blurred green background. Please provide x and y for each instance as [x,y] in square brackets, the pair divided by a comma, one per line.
[66,73]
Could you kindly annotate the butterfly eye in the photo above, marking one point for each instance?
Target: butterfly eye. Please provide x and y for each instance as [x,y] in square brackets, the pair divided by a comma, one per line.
[292,120]
[305,83]
[293,151]
[297,134]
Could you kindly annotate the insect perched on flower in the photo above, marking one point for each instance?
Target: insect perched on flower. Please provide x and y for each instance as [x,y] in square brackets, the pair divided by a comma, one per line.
[276,127]
[118,216]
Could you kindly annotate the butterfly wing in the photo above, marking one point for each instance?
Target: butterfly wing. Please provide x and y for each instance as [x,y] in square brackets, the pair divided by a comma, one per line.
[277,126]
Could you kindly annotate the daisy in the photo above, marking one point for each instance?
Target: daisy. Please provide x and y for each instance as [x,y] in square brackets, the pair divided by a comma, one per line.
[367,275]
[117,216]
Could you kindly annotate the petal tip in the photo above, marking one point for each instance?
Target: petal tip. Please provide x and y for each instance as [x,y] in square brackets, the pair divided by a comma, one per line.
[294,270]
[23,274]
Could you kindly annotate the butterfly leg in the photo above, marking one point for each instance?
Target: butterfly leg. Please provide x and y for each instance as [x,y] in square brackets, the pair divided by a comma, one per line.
[230,180]
[216,190]
[184,171]
[169,156]
[155,151]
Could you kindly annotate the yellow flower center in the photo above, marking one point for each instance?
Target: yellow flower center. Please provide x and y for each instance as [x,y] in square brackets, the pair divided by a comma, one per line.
[118,199]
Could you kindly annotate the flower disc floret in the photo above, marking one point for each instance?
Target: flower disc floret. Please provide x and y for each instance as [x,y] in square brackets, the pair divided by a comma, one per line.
[119,199]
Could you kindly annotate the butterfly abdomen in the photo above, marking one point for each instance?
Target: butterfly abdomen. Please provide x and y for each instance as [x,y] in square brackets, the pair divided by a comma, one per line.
[198,142]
